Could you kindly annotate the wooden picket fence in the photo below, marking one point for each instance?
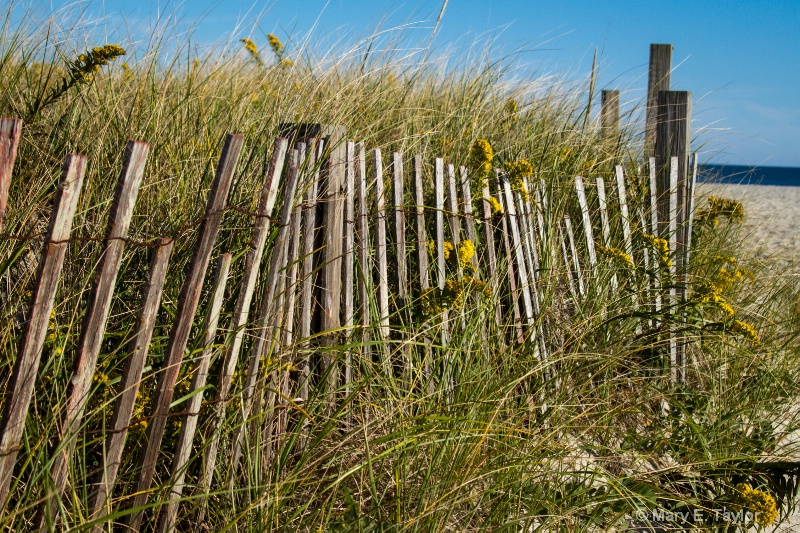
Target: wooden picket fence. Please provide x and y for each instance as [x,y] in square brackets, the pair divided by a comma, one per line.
[329,197]
[338,234]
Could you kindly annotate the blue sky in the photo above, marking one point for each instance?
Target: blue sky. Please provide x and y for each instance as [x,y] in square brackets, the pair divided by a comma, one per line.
[738,57]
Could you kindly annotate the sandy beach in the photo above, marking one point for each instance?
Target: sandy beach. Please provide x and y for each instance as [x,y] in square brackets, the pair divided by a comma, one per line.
[772,215]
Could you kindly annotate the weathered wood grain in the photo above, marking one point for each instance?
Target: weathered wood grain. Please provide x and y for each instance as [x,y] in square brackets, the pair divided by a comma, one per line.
[10,133]
[183,448]
[94,323]
[422,263]
[609,113]
[400,229]
[137,347]
[241,311]
[26,366]
[365,265]
[658,79]
[347,269]
[179,335]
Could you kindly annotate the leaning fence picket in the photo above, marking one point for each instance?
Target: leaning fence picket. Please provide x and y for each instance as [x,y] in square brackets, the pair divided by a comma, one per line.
[587,223]
[26,366]
[606,227]
[10,133]
[491,258]
[509,253]
[94,324]
[183,448]
[179,335]
[365,277]
[136,348]
[241,313]
[399,229]
[511,214]
[676,365]
[576,264]
[266,312]
[469,219]
[307,272]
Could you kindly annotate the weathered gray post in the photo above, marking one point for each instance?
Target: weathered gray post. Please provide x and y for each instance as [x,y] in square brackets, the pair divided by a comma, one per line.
[657,80]
[609,114]
[673,135]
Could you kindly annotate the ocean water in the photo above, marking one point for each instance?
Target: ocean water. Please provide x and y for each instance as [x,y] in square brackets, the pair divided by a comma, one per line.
[784,176]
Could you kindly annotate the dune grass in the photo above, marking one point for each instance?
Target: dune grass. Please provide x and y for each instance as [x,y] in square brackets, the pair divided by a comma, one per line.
[580,441]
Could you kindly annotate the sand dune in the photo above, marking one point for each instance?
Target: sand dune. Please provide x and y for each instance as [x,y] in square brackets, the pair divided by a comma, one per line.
[772,215]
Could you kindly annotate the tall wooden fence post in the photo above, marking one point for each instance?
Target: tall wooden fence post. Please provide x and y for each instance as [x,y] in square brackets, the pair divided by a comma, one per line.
[609,114]
[673,135]
[26,366]
[657,80]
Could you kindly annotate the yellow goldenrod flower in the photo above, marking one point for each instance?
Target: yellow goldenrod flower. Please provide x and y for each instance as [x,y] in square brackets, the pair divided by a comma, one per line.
[662,247]
[617,255]
[251,48]
[762,504]
[747,331]
[496,207]
[466,251]
[481,155]
[718,207]
[448,247]
[517,171]
[287,63]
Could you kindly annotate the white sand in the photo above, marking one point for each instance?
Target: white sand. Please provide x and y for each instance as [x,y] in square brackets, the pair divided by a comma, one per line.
[772,215]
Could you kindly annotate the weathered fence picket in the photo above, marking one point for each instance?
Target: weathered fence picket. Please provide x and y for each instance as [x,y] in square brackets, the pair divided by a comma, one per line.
[136,348]
[241,312]
[10,133]
[26,366]
[179,335]
[183,448]
[94,324]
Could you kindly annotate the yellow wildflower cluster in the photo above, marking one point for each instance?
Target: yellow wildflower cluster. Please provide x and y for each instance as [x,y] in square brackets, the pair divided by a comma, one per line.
[481,155]
[516,172]
[565,154]
[466,251]
[662,247]
[84,69]
[730,273]
[617,255]
[496,207]
[276,45]
[448,247]
[718,207]
[126,71]
[747,331]
[435,301]
[709,293]
[252,49]
[759,502]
